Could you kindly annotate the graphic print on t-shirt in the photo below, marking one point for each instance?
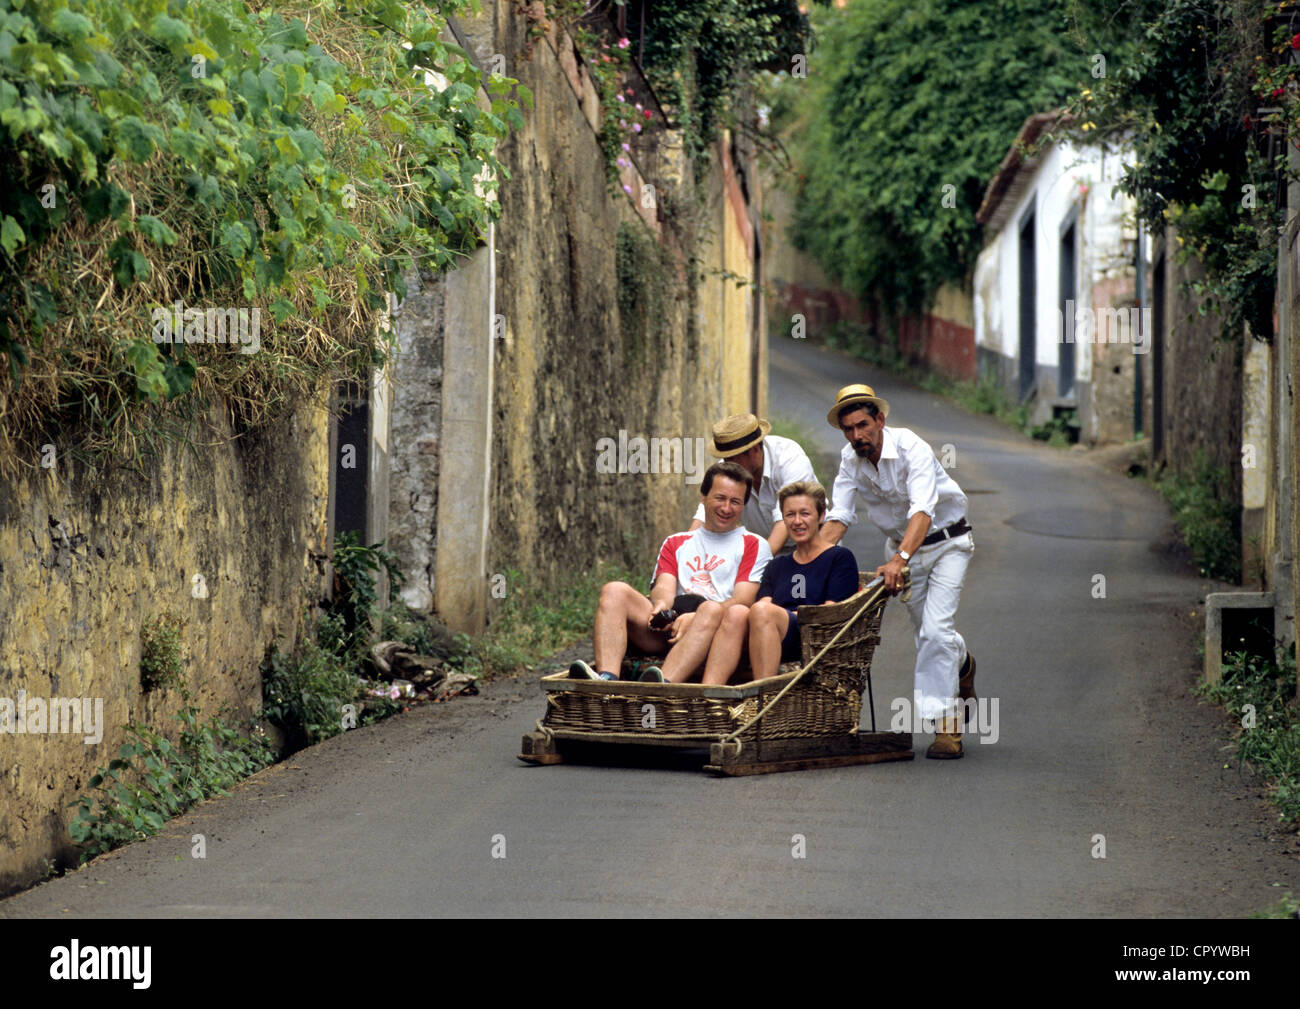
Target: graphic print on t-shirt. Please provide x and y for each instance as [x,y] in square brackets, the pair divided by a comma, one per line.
[701,579]
[710,564]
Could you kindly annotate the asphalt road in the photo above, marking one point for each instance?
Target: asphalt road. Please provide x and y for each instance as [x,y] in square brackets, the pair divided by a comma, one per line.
[1098,734]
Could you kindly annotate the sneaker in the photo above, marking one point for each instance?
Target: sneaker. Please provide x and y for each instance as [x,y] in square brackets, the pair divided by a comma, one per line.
[581,671]
[652,674]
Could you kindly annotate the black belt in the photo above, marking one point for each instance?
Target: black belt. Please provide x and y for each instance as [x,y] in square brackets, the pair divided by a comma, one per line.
[956,529]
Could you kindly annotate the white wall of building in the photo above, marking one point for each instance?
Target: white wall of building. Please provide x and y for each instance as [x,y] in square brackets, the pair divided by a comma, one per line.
[1067,178]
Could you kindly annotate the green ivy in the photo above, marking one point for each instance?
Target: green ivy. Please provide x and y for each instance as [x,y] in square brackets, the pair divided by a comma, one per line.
[1186,103]
[906,103]
[699,57]
[289,157]
[1207,514]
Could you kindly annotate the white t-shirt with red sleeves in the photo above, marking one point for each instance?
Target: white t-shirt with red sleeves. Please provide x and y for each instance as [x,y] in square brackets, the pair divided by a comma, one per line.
[710,564]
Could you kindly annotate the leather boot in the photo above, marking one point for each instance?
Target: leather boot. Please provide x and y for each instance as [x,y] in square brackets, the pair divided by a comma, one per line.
[947,740]
[966,687]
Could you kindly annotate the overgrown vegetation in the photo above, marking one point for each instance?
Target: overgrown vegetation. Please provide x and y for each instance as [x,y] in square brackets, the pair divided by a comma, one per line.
[162,651]
[152,780]
[699,56]
[1207,516]
[1259,694]
[319,687]
[167,159]
[531,622]
[702,55]
[1188,104]
[646,291]
[1285,907]
[906,115]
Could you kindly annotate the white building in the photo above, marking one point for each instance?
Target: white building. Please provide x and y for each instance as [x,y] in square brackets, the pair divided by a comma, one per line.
[1057,317]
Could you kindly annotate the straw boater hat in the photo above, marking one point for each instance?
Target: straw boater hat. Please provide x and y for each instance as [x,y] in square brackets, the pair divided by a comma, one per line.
[736,433]
[855,395]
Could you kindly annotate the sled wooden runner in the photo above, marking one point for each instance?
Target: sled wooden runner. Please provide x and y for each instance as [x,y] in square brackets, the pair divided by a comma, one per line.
[804,718]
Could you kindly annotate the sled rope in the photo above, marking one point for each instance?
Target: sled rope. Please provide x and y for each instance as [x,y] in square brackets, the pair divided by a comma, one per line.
[867,603]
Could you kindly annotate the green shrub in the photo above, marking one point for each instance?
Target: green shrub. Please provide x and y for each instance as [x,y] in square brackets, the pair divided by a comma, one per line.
[153,780]
[304,692]
[1207,516]
[162,654]
[1285,907]
[356,596]
[1259,695]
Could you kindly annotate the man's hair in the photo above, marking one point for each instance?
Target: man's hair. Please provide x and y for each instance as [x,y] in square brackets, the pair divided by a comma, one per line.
[732,471]
[803,488]
[872,411]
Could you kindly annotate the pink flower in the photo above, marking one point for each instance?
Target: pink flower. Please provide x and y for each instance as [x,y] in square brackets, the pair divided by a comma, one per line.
[627,147]
[624,43]
[629,91]
[637,127]
[395,693]
[618,97]
[628,190]
[649,114]
[622,162]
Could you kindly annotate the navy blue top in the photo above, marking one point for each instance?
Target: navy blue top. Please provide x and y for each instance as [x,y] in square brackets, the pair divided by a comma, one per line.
[831,576]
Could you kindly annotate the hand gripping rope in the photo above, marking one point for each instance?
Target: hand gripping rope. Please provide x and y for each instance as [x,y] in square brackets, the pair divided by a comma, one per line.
[872,598]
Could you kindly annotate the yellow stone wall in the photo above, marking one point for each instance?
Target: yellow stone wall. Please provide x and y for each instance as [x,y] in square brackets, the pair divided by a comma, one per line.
[86,559]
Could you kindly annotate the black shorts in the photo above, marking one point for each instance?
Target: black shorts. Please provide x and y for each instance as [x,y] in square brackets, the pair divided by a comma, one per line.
[791,646]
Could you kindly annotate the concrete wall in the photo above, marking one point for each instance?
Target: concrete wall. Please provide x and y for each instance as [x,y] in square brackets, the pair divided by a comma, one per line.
[84,561]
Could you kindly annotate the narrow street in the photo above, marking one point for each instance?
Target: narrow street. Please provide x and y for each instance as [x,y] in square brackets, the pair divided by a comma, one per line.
[1098,733]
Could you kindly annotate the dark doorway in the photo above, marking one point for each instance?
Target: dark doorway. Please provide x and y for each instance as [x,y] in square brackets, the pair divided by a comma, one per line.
[1028,303]
[350,465]
[1068,303]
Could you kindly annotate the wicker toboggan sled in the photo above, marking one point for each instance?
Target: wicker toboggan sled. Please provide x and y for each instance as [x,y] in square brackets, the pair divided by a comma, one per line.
[805,717]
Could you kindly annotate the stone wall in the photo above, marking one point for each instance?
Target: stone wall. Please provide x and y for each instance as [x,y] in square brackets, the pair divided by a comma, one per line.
[1202,379]
[566,374]
[86,559]
[415,436]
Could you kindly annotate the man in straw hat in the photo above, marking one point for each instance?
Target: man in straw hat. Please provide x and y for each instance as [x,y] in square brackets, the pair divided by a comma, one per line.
[922,511]
[772,461]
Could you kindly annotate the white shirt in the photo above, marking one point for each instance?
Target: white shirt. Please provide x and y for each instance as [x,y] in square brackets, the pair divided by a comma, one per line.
[909,480]
[784,461]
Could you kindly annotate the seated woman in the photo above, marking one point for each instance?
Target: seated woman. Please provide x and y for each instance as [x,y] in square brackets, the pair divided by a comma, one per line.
[812,575]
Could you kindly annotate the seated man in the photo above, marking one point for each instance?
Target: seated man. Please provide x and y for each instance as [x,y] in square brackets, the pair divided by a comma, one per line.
[720,561]
[812,575]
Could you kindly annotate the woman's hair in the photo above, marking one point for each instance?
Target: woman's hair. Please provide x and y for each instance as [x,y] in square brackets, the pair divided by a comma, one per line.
[803,488]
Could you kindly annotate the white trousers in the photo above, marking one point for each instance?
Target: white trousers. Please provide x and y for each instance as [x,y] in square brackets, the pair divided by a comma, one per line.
[938,572]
